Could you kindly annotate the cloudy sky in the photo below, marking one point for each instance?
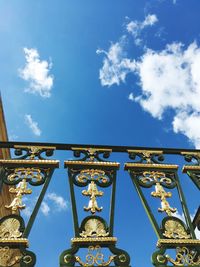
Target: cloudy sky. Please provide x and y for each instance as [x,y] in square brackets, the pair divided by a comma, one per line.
[118,72]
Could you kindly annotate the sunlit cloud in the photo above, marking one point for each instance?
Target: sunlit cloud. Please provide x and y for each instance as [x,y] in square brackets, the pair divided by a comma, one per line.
[168,79]
[36,73]
[33,125]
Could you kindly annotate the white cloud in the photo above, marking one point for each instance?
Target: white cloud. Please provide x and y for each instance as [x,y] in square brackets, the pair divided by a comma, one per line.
[59,201]
[169,79]
[45,209]
[32,125]
[131,97]
[115,65]
[136,27]
[36,72]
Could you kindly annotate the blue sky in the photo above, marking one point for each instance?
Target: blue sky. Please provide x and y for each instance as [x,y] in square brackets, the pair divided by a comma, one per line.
[100,72]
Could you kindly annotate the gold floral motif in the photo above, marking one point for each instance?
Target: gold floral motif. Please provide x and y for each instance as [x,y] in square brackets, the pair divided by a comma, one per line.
[93,193]
[20,190]
[185,257]
[94,228]
[26,173]
[160,177]
[8,257]
[174,229]
[92,175]
[10,229]
[97,259]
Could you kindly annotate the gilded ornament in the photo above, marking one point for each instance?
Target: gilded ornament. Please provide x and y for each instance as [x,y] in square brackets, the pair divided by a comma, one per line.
[178,242]
[94,259]
[93,193]
[34,151]
[9,229]
[174,229]
[94,228]
[158,178]
[147,154]
[20,190]
[92,175]
[8,257]
[103,240]
[26,173]
[185,257]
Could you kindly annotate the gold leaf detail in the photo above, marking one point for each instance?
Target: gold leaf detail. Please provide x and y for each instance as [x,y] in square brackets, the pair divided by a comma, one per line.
[174,229]
[185,257]
[94,228]
[8,257]
[93,193]
[20,190]
[94,259]
[10,229]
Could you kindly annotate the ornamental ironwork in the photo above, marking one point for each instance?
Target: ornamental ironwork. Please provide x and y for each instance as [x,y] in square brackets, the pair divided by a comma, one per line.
[93,177]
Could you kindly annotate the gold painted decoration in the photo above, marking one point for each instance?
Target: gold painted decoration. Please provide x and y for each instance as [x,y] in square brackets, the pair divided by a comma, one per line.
[159,178]
[174,229]
[92,175]
[9,229]
[20,190]
[102,240]
[92,152]
[160,192]
[185,257]
[93,193]
[147,154]
[96,259]
[34,151]
[94,228]
[8,257]
[155,177]
[26,173]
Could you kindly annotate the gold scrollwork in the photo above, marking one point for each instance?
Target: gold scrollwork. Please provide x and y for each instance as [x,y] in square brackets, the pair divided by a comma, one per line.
[8,257]
[26,173]
[185,257]
[20,190]
[155,176]
[92,259]
[92,175]
[93,193]
[94,228]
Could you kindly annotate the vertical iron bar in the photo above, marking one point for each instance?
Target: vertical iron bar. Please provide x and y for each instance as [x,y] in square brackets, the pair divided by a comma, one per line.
[74,209]
[146,207]
[37,206]
[112,205]
[184,207]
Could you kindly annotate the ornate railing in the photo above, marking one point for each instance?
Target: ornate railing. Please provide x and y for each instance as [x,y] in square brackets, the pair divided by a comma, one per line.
[91,170]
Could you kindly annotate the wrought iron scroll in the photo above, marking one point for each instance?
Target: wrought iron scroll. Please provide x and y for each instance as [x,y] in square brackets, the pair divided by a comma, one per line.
[94,233]
[173,233]
[28,169]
